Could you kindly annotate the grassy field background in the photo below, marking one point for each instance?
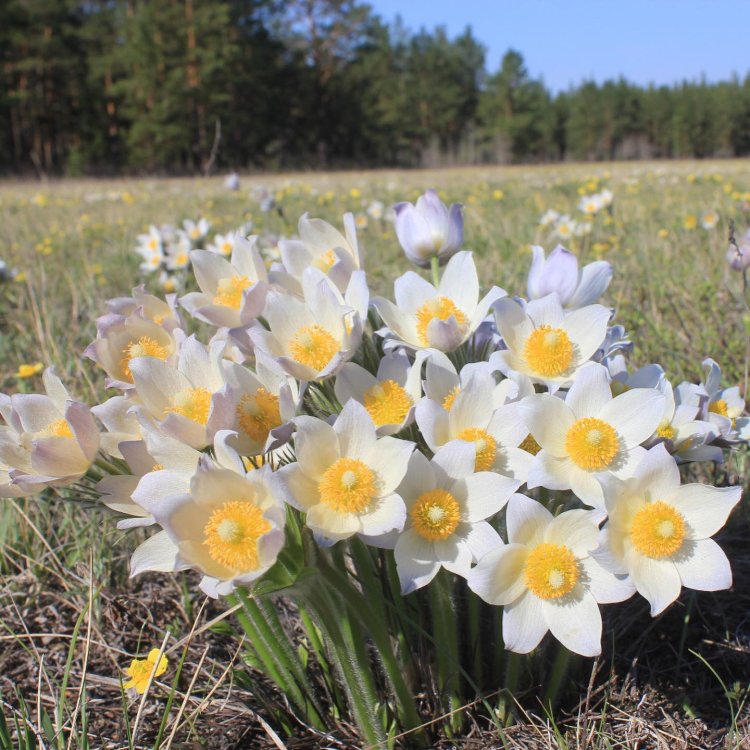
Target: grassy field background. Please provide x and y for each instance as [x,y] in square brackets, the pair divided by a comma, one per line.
[70,619]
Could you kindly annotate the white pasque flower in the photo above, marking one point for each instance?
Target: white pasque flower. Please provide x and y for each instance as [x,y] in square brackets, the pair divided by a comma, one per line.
[559,273]
[440,318]
[50,440]
[442,382]
[229,525]
[233,292]
[122,339]
[191,401]
[448,505]
[545,343]
[480,414]
[589,435]
[389,396]
[266,402]
[429,229]
[724,405]
[321,246]
[658,531]
[546,578]
[196,231]
[223,244]
[311,338]
[345,477]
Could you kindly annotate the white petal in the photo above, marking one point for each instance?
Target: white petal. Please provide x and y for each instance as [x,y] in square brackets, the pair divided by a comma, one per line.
[634,414]
[316,446]
[523,624]
[158,553]
[604,586]
[388,515]
[705,568]
[356,432]
[456,459]
[575,529]
[486,494]
[548,419]
[705,508]
[657,580]
[586,487]
[454,555]
[389,459]
[419,478]
[590,392]
[549,471]
[460,282]
[481,539]
[432,421]
[415,561]
[526,520]
[332,524]
[576,623]
[353,382]
[498,578]
[587,329]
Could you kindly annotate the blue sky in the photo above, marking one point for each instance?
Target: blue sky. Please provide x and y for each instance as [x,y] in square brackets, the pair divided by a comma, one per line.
[566,41]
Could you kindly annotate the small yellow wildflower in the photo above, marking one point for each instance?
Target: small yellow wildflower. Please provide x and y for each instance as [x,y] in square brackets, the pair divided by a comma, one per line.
[140,670]
[663,234]
[691,222]
[498,195]
[28,371]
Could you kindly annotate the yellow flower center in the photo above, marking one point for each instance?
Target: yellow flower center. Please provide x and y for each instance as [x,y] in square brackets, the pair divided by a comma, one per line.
[59,428]
[232,534]
[666,431]
[193,403]
[387,403]
[258,413]
[530,445]
[145,346]
[657,530]
[551,571]
[485,445]
[181,259]
[435,515]
[154,261]
[440,308]
[548,351]
[591,443]
[153,243]
[226,248]
[158,467]
[229,291]
[325,261]
[347,486]
[451,397]
[719,407]
[195,233]
[313,346]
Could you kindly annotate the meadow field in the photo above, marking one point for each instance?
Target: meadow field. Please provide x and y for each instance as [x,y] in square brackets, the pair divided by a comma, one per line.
[71,618]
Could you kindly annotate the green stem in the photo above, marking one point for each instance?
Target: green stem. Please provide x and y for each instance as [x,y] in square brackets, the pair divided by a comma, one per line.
[337,627]
[434,267]
[511,686]
[374,623]
[557,675]
[446,642]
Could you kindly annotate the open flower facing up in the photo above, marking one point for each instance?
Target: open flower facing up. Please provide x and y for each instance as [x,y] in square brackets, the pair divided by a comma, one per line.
[122,339]
[659,531]
[559,273]
[191,401]
[233,292]
[429,229]
[140,670]
[724,405]
[546,579]
[196,231]
[589,435]
[439,318]
[447,505]
[265,401]
[345,477]
[50,440]
[147,306]
[229,525]
[390,396]
[443,382]
[321,246]
[545,343]
[311,338]
[480,414]
[223,244]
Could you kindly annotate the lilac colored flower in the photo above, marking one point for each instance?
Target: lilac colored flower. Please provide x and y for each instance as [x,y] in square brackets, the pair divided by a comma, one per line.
[429,229]
[738,256]
[559,273]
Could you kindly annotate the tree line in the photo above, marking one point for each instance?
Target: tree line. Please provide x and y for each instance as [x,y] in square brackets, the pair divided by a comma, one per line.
[186,86]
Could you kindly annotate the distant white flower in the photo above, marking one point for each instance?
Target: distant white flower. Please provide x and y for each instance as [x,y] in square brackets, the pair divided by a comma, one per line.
[196,231]
[709,220]
[223,244]
[548,218]
[723,405]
